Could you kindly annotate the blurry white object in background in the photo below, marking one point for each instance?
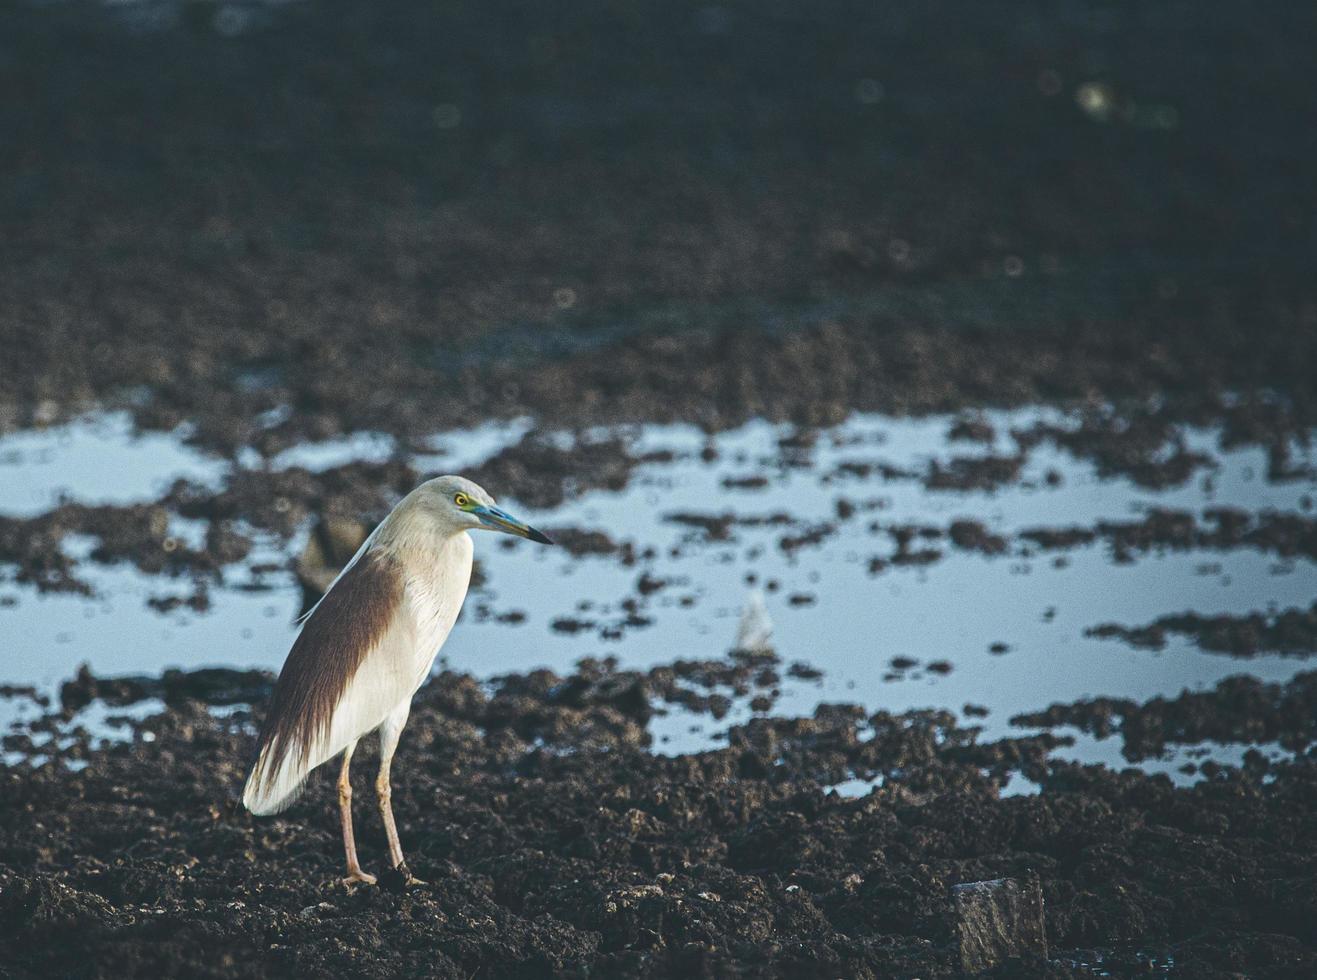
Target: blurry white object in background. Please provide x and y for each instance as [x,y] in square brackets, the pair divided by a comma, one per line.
[755,631]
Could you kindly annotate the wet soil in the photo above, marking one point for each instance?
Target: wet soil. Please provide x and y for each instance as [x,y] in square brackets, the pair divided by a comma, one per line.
[553,843]
[1239,709]
[711,217]
[339,506]
[139,534]
[1287,631]
[1284,534]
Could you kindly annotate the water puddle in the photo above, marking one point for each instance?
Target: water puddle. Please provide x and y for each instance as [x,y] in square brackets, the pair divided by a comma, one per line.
[893,624]
[360,447]
[1184,764]
[96,460]
[854,788]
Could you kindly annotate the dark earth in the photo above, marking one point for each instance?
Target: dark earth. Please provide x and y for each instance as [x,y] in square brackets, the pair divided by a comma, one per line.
[552,842]
[275,225]
[1288,631]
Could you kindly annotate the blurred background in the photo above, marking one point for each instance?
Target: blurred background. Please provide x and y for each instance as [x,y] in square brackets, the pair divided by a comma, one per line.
[922,318]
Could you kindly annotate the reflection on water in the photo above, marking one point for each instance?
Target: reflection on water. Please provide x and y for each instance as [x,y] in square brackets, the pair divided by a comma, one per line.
[828,607]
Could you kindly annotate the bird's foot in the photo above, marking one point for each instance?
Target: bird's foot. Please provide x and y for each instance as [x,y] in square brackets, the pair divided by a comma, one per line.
[398,879]
[358,877]
[402,873]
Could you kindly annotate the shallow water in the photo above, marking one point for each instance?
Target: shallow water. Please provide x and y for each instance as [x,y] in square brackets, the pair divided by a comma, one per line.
[96,460]
[828,609]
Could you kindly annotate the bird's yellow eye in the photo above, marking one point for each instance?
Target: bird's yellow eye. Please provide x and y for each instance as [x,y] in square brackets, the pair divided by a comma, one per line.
[461,500]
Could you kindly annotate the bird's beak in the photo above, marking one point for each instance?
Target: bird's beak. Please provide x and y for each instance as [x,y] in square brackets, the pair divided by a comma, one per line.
[501,520]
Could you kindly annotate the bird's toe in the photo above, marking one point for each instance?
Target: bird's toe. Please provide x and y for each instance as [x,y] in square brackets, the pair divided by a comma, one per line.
[399,877]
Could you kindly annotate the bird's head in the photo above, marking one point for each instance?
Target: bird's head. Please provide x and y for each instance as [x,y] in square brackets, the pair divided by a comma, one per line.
[462,505]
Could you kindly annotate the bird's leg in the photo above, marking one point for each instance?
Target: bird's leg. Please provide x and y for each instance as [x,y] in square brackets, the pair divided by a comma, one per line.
[390,732]
[355,874]
[385,792]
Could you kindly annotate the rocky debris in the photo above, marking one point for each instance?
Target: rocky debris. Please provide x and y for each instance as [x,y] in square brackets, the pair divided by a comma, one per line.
[808,537]
[197,601]
[571,624]
[753,481]
[1290,631]
[139,534]
[1059,537]
[907,538]
[998,920]
[1238,709]
[718,527]
[987,472]
[1145,446]
[24,691]
[972,428]
[582,541]
[541,473]
[715,527]
[213,685]
[1285,534]
[971,535]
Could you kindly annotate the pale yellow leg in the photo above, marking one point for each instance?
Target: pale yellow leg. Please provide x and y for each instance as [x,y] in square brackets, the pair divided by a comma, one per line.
[355,874]
[390,732]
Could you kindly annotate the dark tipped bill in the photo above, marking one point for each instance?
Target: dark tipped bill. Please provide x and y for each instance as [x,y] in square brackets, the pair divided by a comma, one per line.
[501,520]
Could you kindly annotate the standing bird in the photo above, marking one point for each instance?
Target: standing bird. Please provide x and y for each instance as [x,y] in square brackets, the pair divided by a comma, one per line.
[368,645]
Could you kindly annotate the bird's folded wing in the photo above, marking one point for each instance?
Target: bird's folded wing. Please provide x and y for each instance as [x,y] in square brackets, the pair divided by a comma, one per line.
[350,666]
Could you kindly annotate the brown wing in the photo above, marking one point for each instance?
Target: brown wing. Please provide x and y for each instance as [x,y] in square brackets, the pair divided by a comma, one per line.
[348,623]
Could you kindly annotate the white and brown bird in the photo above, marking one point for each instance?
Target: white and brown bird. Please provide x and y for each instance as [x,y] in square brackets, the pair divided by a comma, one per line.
[368,645]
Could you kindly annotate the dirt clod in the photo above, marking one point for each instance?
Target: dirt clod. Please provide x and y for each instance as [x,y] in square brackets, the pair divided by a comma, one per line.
[996,920]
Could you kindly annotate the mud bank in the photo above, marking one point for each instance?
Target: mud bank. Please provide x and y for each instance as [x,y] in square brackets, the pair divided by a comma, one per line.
[1287,631]
[547,469]
[713,216]
[554,844]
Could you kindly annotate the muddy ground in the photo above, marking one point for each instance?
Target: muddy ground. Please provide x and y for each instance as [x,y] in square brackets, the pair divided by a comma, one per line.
[552,842]
[704,213]
[327,217]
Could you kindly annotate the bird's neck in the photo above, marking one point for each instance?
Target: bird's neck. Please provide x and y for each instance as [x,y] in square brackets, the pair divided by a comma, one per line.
[421,548]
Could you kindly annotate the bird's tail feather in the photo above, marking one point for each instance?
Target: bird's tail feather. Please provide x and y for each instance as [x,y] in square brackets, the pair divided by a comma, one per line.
[280,774]
[274,785]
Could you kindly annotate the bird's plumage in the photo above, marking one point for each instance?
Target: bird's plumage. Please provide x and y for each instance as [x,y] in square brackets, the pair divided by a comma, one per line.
[365,648]
[358,617]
